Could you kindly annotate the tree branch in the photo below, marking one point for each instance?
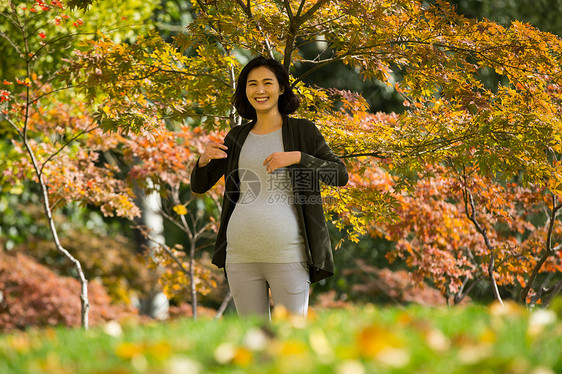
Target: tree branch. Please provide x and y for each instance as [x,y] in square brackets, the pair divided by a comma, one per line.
[3,35]
[305,17]
[301,6]
[289,11]
[245,7]
[223,305]
[54,41]
[12,123]
[461,295]
[235,118]
[317,67]
[65,145]
[371,154]
[202,5]
[174,221]
[552,292]
[248,11]
[467,197]
[375,49]
[48,212]
[169,253]
[547,253]
[294,23]
[551,224]
[50,92]
[159,69]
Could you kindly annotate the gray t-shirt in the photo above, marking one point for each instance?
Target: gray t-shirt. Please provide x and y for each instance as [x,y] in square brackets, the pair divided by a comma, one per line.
[264,225]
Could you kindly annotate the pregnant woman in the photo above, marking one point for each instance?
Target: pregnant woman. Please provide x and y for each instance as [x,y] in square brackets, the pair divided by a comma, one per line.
[272,231]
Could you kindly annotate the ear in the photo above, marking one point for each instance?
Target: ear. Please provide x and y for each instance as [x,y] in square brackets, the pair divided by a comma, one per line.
[281,90]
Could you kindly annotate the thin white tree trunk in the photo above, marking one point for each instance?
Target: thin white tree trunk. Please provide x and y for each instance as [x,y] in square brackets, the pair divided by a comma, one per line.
[157,304]
[85,303]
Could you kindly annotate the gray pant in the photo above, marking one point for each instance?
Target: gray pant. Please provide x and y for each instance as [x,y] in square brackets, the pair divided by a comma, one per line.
[289,284]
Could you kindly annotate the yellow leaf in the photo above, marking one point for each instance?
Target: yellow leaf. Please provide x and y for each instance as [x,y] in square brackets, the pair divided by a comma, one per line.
[374,339]
[128,350]
[180,209]
[320,345]
[242,357]
[293,348]
[161,350]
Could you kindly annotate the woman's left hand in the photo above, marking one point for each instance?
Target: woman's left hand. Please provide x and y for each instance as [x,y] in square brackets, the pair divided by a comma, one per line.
[278,160]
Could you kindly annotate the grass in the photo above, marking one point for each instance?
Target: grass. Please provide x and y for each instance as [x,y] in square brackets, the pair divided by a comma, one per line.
[361,339]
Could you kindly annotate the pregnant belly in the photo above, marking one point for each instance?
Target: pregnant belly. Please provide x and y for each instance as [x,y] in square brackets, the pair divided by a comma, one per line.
[273,226]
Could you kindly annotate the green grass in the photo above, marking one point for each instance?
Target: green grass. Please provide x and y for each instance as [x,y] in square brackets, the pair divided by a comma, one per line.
[368,339]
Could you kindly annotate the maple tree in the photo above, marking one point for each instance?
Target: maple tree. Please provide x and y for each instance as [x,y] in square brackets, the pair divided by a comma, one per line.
[162,163]
[456,230]
[538,13]
[432,56]
[48,125]
[56,140]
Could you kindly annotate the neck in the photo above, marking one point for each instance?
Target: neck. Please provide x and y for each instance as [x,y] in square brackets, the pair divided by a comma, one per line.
[268,121]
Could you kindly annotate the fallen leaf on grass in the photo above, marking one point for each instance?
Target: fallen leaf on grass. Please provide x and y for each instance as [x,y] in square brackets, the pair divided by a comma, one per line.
[350,367]
[539,320]
[127,350]
[183,365]
[373,339]
[320,345]
[256,339]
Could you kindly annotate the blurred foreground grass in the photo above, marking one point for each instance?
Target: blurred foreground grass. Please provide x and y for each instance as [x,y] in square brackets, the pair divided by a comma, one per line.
[368,339]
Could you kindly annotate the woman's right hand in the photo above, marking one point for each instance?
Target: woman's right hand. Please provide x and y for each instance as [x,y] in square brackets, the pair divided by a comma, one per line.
[213,150]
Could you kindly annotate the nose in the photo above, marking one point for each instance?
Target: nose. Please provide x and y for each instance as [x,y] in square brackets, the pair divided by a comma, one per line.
[260,88]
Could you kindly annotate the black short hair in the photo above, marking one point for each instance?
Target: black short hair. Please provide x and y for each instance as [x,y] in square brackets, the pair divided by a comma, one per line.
[288,101]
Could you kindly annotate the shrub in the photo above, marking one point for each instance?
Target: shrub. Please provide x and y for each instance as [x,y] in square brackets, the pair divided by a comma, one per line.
[33,295]
[111,259]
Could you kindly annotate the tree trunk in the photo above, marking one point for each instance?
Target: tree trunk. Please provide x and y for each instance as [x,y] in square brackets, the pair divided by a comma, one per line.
[493,279]
[84,301]
[155,304]
[224,305]
[192,278]
[469,201]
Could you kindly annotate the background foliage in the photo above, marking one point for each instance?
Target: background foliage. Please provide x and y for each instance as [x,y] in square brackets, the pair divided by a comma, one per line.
[450,128]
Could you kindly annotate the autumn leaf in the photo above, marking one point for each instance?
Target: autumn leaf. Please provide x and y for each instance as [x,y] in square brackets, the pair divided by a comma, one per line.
[127,350]
[180,210]
[373,340]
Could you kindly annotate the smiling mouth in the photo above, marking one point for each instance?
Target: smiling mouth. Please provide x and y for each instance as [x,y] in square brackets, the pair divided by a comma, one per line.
[261,99]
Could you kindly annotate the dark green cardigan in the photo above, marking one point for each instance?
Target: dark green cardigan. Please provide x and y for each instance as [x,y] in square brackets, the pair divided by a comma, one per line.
[318,163]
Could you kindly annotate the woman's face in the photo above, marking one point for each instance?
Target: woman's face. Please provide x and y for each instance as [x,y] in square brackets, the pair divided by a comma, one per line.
[263,90]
